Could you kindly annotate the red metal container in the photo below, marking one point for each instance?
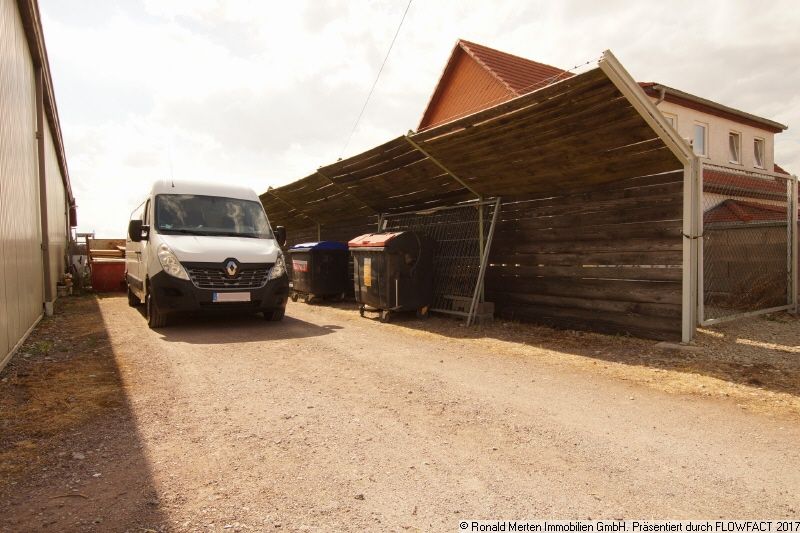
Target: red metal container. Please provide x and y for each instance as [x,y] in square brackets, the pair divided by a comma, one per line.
[108,275]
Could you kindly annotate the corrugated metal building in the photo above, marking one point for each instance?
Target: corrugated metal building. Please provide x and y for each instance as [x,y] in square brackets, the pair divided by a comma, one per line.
[37,207]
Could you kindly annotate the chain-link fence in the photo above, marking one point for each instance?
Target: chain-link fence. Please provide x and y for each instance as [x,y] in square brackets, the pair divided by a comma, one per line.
[457,263]
[749,224]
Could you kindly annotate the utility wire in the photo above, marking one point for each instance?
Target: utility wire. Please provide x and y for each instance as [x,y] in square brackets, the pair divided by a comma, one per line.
[364,107]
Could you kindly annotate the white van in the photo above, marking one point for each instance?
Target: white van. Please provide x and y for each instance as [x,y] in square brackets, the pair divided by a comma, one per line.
[204,247]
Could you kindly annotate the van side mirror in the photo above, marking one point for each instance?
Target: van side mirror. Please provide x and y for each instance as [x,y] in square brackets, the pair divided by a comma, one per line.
[280,235]
[137,231]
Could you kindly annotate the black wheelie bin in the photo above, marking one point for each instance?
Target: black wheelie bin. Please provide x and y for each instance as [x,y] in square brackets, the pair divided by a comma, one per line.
[319,270]
[393,271]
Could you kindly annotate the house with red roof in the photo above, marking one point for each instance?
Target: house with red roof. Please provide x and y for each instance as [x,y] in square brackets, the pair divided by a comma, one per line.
[737,147]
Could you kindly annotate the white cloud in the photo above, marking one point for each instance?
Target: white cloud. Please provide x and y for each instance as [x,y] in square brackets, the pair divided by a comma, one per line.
[262,93]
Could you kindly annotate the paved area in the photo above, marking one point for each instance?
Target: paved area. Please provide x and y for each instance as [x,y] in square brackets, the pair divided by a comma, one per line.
[332,422]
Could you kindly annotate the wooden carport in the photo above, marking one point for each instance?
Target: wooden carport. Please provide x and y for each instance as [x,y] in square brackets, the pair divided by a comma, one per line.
[594,185]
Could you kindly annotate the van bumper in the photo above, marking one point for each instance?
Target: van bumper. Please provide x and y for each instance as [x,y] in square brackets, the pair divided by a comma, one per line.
[179,295]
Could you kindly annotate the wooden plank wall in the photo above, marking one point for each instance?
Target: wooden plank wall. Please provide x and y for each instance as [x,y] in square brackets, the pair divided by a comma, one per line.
[607,260]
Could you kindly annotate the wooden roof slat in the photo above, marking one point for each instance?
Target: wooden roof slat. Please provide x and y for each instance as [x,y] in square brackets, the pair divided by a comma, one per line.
[514,105]
[575,134]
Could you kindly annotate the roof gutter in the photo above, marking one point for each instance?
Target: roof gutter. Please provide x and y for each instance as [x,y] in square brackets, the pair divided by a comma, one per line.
[664,91]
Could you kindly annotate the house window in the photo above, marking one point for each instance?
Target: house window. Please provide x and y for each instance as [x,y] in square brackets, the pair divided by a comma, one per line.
[758,152]
[700,139]
[672,120]
[735,147]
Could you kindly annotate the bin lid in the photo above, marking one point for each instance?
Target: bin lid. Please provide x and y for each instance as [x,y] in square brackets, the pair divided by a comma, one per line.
[373,240]
[319,245]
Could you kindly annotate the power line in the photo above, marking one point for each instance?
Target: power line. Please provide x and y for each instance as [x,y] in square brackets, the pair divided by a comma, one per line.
[372,89]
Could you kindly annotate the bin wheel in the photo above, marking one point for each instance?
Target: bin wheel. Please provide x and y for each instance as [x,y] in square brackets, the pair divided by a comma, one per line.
[309,297]
[294,296]
[385,315]
[423,312]
[361,310]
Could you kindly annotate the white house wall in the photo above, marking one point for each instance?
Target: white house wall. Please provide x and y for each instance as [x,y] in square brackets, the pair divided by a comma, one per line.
[718,129]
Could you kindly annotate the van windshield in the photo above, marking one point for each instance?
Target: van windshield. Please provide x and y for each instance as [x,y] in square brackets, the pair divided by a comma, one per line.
[192,214]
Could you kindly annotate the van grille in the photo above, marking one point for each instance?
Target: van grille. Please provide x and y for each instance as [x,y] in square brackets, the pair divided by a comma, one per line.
[215,277]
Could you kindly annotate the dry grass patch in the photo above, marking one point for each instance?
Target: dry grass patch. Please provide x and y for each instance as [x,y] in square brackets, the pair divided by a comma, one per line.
[63,376]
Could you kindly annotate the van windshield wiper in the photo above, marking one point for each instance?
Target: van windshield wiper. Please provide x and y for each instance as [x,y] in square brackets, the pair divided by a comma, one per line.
[185,231]
[233,234]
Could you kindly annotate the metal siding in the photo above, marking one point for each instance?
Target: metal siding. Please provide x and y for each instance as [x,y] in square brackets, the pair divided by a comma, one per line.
[21,286]
[468,88]
[56,211]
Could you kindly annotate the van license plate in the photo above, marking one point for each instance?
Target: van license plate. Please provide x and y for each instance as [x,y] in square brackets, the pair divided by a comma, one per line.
[230,297]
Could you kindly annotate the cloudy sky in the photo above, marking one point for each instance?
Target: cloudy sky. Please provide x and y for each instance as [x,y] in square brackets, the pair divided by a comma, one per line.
[261,93]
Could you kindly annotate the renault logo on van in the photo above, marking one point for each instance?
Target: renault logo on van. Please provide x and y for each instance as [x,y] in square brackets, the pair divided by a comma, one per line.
[231,267]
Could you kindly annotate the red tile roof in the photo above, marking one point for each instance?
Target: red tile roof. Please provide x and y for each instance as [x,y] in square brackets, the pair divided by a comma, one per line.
[733,184]
[738,211]
[779,170]
[520,75]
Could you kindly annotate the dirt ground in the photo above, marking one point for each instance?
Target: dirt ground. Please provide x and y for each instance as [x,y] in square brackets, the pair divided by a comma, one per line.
[332,422]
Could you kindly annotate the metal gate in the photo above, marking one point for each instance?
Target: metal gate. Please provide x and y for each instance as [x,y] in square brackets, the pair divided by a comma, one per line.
[748,256]
[463,234]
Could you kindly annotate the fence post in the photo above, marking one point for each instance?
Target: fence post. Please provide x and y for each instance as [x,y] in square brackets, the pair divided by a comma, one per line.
[484,263]
[793,235]
[699,232]
[481,244]
[691,303]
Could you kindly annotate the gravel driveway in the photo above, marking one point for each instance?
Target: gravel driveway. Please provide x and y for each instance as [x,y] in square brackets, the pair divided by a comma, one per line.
[332,422]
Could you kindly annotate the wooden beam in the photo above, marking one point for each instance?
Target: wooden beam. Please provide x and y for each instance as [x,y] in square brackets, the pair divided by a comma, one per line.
[346,191]
[444,168]
[271,191]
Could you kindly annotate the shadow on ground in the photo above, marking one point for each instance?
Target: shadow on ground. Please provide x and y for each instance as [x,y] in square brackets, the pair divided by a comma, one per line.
[239,328]
[761,352]
[70,452]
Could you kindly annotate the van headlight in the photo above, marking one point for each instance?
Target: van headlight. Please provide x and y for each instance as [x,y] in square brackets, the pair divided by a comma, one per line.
[170,264]
[279,268]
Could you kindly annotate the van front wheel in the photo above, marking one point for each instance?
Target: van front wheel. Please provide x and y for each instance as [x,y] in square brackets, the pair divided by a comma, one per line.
[275,315]
[155,317]
[133,300]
